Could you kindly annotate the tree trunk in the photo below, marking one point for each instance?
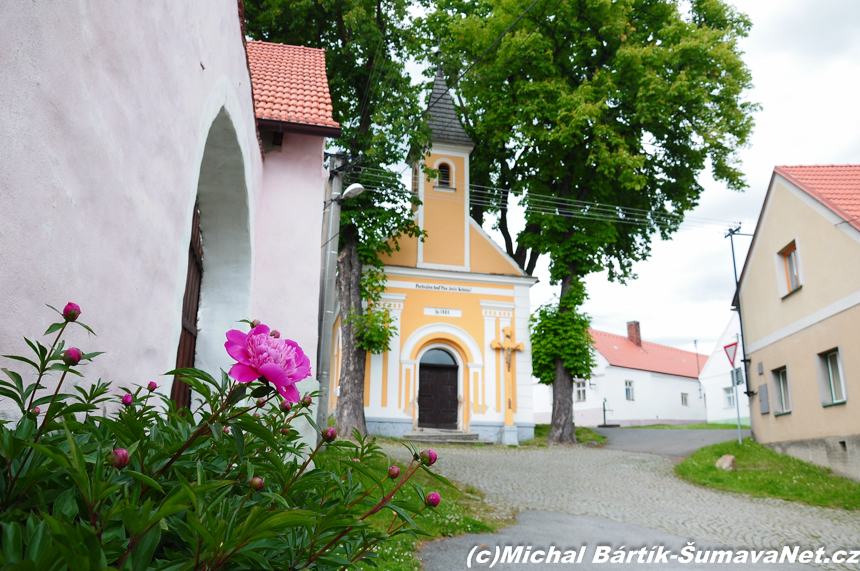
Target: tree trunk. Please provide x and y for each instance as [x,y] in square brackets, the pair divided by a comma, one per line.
[350,402]
[562,430]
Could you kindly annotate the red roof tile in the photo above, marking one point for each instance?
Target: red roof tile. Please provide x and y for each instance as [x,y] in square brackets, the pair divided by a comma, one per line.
[290,84]
[835,186]
[621,352]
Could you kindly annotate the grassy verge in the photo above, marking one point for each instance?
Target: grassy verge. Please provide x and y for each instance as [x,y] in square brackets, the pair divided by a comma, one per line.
[461,511]
[761,472]
[583,435]
[703,426]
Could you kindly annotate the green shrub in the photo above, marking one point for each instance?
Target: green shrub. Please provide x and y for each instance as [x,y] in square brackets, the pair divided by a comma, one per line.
[223,485]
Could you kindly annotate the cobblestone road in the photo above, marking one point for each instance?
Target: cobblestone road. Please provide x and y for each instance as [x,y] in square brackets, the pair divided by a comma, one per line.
[641,489]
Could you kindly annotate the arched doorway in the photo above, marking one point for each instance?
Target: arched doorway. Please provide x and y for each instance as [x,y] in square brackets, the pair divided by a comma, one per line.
[219,279]
[437,390]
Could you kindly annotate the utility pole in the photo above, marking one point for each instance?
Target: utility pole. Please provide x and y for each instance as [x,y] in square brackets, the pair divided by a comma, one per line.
[732,232]
[328,284]
[735,383]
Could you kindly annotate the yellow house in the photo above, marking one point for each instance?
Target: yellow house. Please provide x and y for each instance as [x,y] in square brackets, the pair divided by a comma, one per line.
[800,302]
[461,358]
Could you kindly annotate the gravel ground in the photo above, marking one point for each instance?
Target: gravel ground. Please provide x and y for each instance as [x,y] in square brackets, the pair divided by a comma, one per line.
[641,489]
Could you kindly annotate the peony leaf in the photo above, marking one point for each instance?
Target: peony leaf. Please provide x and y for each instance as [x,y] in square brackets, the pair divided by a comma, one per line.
[144,479]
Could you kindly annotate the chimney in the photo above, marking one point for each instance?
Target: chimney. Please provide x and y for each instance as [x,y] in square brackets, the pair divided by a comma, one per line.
[633,333]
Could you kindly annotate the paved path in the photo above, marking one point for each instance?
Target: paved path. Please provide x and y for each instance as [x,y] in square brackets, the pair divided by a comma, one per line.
[640,489]
[537,531]
[669,442]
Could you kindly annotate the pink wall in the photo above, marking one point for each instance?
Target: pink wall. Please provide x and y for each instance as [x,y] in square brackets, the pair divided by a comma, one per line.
[289,220]
[105,109]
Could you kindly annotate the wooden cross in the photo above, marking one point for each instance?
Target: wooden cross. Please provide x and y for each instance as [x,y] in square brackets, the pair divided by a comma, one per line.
[508,346]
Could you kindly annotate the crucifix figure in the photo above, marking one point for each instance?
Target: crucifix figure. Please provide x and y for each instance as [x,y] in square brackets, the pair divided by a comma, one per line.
[508,346]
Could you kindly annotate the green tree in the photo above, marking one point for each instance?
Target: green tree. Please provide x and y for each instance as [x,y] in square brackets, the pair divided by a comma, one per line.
[367,43]
[600,114]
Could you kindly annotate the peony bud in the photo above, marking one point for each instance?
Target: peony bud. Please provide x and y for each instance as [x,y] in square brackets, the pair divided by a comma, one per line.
[36,410]
[329,434]
[256,415]
[151,386]
[285,431]
[433,499]
[71,311]
[72,356]
[119,458]
[275,333]
[127,399]
[356,460]
[307,401]
[256,484]
[286,406]
[428,457]
[261,402]
[394,472]
[226,430]
[255,323]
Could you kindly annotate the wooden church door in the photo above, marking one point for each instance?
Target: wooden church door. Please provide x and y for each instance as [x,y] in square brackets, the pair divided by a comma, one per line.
[437,390]
[181,392]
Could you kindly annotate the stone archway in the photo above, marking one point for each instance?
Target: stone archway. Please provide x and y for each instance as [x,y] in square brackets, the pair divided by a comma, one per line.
[225,226]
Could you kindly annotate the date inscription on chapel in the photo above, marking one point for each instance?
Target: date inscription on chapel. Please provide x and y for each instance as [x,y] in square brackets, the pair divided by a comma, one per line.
[443,312]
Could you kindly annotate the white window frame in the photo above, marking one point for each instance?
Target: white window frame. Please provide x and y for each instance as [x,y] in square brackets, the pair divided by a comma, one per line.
[628,390]
[580,391]
[730,397]
[685,399]
[783,390]
[832,361]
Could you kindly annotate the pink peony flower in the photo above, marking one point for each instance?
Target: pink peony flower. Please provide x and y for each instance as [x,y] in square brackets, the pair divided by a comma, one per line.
[127,399]
[394,472]
[433,499]
[329,434]
[119,458]
[72,356]
[71,311]
[428,457]
[280,361]
[256,483]
[152,386]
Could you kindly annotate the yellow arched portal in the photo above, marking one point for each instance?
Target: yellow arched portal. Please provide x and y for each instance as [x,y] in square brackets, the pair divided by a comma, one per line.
[433,340]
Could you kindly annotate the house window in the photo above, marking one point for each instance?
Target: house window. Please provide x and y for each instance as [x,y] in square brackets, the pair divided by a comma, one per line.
[730,397]
[834,376]
[628,389]
[444,175]
[580,391]
[783,393]
[685,399]
[789,259]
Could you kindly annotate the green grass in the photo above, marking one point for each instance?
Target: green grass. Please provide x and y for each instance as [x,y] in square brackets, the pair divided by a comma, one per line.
[761,472]
[583,435]
[703,426]
[461,511]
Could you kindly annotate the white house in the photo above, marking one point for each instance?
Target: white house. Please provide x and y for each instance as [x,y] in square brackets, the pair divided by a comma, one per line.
[716,379]
[134,182]
[637,382]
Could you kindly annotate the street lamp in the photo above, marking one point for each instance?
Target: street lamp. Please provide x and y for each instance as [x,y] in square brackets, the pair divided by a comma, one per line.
[351,191]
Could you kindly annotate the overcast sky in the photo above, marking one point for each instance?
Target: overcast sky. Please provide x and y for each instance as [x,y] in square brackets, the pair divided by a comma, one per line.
[805,61]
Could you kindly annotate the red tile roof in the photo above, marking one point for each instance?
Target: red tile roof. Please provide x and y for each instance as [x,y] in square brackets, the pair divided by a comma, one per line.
[290,85]
[835,186]
[621,352]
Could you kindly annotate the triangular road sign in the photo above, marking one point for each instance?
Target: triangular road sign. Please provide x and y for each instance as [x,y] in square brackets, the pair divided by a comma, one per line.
[731,351]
